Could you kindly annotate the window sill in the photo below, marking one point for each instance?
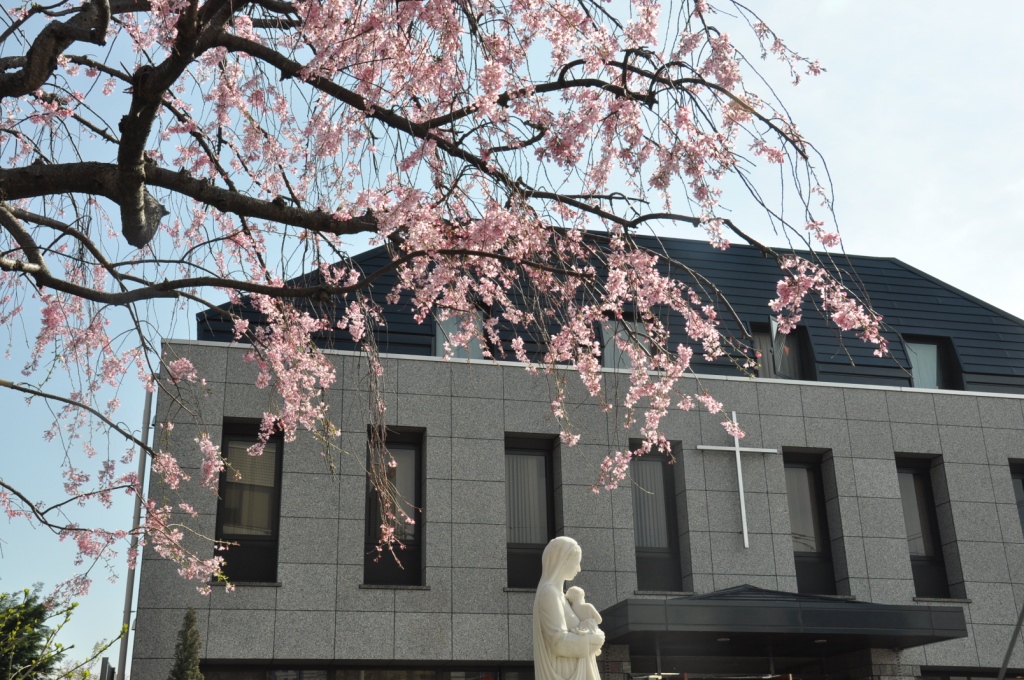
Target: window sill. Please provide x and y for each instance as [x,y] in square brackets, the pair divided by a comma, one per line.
[519,590]
[843,598]
[248,584]
[664,593]
[382,586]
[944,600]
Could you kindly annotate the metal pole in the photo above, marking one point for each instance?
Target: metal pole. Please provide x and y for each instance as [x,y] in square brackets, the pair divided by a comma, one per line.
[129,587]
[1013,642]
[739,478]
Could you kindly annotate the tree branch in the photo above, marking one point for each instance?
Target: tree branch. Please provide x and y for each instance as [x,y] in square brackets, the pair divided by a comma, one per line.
[24,239]
[88,25]
[40,514]
[140,213]
[101,179]
[17,387]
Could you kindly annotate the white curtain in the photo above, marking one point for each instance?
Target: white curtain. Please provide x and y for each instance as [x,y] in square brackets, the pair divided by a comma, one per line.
[650,514]
[249,494]
[526,498]
[803,509]
[403,476]
[924,364]
[916,513]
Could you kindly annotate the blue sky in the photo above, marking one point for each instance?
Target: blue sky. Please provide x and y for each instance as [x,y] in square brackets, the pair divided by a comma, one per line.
[918,118]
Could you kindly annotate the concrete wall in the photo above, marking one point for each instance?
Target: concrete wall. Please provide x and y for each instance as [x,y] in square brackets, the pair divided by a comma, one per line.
[318,611]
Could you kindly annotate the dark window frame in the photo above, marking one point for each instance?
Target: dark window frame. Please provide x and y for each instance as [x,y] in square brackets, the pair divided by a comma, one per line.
[660,569]
[1017,475]
[524,559]
[249,548]
[816,568]
[950,373]
[381,568]
[930,576]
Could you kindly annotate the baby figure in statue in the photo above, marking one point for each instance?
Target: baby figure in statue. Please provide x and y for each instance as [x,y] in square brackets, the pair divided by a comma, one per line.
[587,613]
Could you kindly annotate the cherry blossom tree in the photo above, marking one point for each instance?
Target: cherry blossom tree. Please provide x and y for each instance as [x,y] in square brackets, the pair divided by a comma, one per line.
[164,155]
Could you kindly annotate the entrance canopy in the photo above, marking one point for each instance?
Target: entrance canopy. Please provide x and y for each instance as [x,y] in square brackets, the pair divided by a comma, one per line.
[749,621]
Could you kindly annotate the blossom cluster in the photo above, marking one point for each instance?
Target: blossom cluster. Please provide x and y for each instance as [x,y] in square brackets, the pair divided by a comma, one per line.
[847,313]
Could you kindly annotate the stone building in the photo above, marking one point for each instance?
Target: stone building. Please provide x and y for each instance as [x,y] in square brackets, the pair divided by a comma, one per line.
[879,535]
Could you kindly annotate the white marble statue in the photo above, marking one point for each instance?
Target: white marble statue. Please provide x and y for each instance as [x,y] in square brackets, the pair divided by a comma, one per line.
[564,645]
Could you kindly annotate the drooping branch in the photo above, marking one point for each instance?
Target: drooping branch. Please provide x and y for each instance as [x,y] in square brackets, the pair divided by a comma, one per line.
[293,69]
[33,392]
[83,240]
[558,85]
[423,131]
[40,513]
[427,130]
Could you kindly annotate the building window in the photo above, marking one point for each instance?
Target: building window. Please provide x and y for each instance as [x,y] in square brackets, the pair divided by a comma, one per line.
[922,529]
[445,329]
[626,331]
[655,529]
[811,547]
[782,356]
[1017,474]
[932,364]
[530,520]
[249,509]
[405,567]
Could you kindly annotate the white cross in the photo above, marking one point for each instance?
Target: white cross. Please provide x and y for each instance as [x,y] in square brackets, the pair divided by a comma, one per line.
[739,473]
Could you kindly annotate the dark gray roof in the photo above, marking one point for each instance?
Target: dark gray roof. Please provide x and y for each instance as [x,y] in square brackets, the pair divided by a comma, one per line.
[987,343]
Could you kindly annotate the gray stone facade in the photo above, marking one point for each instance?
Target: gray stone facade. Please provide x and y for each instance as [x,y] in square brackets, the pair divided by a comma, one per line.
[320,612]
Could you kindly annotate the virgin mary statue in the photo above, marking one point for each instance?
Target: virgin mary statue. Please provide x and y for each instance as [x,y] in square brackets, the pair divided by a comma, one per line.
[562,650]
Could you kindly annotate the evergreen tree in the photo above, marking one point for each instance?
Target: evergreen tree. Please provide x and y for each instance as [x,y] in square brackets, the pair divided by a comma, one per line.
[186,651]
[27,648]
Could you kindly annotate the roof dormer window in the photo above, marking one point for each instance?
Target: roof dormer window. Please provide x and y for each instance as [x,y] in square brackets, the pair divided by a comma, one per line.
[616,332]
[931,363]
[782,357]
[455,325]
